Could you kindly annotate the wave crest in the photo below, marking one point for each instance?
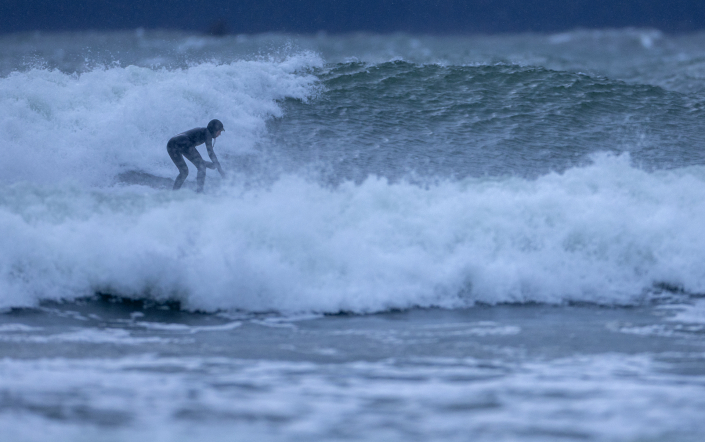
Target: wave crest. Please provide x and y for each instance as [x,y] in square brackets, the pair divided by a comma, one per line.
[92,126]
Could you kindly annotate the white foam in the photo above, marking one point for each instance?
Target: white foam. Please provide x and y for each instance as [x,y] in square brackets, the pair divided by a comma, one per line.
[87,128]
[174,327]
[604,233]
[87,336]
[13,328]
[690,313]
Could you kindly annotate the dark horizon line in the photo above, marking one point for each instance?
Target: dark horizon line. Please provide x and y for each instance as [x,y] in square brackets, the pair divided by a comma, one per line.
[352,32]
[440,17]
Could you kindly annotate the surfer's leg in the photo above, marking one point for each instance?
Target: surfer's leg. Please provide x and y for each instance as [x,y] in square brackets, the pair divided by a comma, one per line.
[192,154]
[176,156]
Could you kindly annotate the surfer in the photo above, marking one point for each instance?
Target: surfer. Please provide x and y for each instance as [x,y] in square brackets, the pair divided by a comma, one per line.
[184,145]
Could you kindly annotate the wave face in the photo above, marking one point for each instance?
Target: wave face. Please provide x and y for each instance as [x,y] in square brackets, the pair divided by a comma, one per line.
[363,178]
[399,118]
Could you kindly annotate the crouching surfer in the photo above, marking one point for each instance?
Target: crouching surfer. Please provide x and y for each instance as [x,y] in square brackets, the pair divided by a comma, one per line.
[184,145]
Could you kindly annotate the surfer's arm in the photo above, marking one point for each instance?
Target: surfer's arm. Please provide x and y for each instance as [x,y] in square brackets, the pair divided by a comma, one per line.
[214,159]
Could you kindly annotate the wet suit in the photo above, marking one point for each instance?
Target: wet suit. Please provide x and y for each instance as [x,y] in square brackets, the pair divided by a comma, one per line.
[184,145]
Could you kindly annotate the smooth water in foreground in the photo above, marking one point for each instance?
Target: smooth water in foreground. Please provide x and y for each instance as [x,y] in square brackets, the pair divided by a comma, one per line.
[485,238]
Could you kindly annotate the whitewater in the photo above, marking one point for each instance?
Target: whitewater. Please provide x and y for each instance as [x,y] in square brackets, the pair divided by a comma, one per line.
[606,233]
[419,238]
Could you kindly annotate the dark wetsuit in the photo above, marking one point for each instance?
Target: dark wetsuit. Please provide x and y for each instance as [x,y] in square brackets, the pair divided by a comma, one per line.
[184,145]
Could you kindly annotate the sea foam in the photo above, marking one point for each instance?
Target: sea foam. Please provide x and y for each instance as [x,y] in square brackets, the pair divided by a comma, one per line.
[605,233]
[91,126]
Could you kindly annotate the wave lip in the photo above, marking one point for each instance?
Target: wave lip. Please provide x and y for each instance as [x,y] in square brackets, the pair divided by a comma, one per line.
[89,127]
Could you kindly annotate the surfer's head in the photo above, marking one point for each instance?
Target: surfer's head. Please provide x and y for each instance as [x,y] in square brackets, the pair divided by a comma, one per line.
[215,127]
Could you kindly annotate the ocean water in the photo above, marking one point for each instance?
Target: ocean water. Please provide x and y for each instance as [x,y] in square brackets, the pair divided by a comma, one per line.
[471,238]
